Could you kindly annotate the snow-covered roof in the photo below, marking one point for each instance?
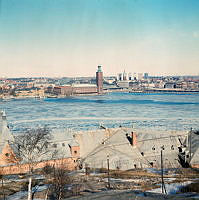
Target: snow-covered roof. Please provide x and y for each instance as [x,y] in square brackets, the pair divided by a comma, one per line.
[84,85]
[96,145]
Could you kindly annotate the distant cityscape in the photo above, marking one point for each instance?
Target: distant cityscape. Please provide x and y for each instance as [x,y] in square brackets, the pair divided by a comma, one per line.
[41,87]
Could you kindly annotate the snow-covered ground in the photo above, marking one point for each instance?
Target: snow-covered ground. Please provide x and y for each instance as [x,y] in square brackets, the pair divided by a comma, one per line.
[171,188]
[22,194]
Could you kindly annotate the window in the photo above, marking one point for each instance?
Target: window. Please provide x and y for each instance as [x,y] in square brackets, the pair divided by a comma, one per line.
[162,147]
[55,145]
[63,145]
[142,153]
[7,154]
[75,152]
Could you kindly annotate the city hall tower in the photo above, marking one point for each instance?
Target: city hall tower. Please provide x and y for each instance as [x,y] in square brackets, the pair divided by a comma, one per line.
[99,80]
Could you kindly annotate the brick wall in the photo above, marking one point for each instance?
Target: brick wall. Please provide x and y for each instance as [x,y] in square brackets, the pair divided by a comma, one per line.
[66,163]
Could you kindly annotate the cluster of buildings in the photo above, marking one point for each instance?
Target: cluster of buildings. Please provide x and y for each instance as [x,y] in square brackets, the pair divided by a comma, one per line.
[79,88]
[125,148]
[60,87]
[49,87]
[144,82]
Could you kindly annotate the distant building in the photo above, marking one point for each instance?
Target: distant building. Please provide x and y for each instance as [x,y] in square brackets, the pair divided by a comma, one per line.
[134,76]
[63,90]
[29,92]
[124,76]
[170,85]
[123,84]
[130,76]
[74,89]
[124,79]
[134,85]
[99,80]
[146,75]
[84,89]
[120,77]
[140,76]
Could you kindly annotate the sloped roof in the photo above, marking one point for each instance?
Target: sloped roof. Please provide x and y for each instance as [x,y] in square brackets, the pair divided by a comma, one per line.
[61,135]
[195,147]
[89,140]
[145,154]
[73,143]
[58,146]
[121,154]
[150,143]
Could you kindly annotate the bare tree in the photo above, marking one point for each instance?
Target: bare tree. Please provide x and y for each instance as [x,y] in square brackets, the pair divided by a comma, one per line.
[59,179]
[2,187]
[30,148]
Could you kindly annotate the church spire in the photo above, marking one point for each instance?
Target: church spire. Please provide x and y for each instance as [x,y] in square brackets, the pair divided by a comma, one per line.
[3,115]
[5,134]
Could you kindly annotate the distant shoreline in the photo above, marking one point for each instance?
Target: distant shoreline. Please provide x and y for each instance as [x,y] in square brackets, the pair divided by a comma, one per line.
[167,91]
[150,91]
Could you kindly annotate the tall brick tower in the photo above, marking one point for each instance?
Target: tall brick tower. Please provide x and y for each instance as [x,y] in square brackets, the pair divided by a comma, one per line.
[99,80]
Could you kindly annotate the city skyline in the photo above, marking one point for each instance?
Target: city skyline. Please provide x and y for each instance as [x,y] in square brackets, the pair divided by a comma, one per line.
[70,38]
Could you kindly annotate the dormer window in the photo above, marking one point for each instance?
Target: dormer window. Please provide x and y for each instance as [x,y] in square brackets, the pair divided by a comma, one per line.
[162,147]
[7,154]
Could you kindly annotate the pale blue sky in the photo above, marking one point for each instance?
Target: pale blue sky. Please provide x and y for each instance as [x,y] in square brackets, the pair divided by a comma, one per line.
[72,37]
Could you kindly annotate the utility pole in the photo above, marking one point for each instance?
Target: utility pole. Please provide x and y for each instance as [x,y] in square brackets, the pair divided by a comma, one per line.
[108,172]
[162,175]
[190,133]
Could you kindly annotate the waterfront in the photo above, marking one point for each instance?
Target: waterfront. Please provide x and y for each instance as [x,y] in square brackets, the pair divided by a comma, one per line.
[154,111]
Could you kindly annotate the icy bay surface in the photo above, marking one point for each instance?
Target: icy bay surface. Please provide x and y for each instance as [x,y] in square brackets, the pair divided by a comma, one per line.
[154,111]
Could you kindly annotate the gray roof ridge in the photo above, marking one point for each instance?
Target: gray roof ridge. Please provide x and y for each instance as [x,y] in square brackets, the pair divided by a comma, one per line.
[116,132]
[98,146]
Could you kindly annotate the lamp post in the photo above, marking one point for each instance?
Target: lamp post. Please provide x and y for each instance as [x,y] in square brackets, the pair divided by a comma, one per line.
[162,172]
[190,133]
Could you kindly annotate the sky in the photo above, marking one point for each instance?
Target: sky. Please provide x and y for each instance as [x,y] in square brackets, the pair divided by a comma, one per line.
[72,37]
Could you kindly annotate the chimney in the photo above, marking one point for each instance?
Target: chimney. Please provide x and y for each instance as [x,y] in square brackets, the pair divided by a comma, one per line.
[134,139]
